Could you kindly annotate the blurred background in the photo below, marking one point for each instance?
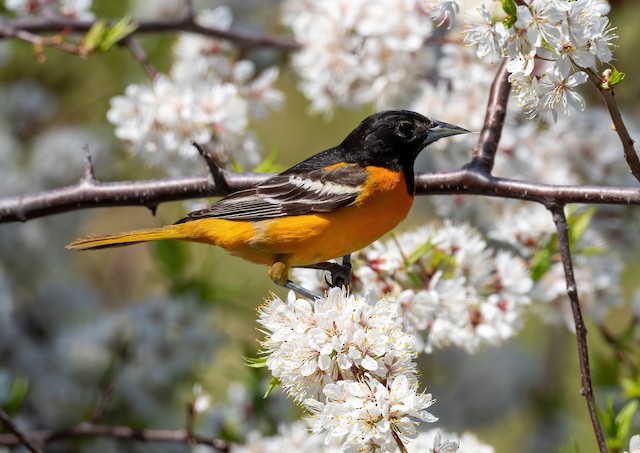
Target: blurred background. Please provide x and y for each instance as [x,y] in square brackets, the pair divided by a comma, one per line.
[144,326]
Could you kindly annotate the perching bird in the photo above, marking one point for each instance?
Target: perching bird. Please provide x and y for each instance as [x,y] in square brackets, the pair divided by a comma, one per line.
[327,206]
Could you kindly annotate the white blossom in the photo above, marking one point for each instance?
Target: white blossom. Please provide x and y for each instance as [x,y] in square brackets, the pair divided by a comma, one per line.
[455,290]
[73,9]
[438,441]
[161,119]
[359,51]
[485,35]
[312,344]
[557,93]
[571,35]
[294,438]
[366,414]
[634,444]
[209,97]
[442,11]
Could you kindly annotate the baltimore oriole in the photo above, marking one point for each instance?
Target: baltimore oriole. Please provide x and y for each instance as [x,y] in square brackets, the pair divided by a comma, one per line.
[329,205]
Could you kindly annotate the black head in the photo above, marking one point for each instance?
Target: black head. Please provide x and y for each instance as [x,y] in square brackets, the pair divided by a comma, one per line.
[394,137]
[391,139]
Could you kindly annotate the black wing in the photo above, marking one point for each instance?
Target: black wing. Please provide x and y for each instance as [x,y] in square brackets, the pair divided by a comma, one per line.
[290,194]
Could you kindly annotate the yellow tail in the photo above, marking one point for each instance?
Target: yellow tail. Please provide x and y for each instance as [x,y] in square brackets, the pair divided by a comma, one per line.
[128,238]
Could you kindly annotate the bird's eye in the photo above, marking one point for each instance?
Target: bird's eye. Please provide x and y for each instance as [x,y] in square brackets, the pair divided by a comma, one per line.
[405,129]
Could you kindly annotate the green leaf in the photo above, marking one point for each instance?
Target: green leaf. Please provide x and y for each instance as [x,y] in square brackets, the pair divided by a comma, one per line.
[624,420]
[616,77]
[418,253]
[631,387]
[509,21]
[16,395]
[607,417]
[617,426]
[102,37]
[578,223]
[255,362]
[118,31]
[94,36]
[542,262]
[275,382]
[509,7]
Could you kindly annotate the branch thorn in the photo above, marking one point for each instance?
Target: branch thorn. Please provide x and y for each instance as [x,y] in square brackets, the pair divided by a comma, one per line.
[89,171]
[214,168]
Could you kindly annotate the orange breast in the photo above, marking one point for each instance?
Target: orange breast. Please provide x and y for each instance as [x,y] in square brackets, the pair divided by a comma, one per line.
[314,238]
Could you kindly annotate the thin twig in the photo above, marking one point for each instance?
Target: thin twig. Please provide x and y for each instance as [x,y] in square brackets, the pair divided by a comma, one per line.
[20,437]
[139,54]
[399,443]
[185,24]
[103,402]
[40,42]
[487,146]
[93,430]
[562,229]
[628,147]
[190,419]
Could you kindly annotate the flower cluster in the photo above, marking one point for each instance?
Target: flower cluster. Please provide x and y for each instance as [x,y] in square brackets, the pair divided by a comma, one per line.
[73,9]
[451,286]
[295,438]
[208,97]
[371,415]
[348,360]
[574,35]
[359,51]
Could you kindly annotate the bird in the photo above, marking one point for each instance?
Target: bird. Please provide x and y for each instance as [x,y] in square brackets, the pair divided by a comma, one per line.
[330,205]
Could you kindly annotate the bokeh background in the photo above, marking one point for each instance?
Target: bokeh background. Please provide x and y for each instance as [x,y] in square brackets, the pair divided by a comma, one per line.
[146,324]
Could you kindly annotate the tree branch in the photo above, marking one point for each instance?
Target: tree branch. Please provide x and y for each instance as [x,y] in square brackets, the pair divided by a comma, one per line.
[140,55]
[562,228]
[630,154]
[151,193]
[20,438]
[485,150]
[40,42]
[93,430]
[186,23]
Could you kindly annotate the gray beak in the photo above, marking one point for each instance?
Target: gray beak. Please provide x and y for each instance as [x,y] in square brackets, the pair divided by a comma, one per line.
[441,130]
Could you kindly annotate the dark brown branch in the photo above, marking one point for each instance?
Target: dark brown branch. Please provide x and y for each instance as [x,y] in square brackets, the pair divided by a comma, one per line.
[20,437]
[630,154]
[185,23]
[151,193]
[84,430]
[562,228]
[485,150]
[139,54]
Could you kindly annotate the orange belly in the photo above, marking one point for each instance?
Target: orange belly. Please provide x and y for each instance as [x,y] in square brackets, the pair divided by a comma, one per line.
[314,238]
